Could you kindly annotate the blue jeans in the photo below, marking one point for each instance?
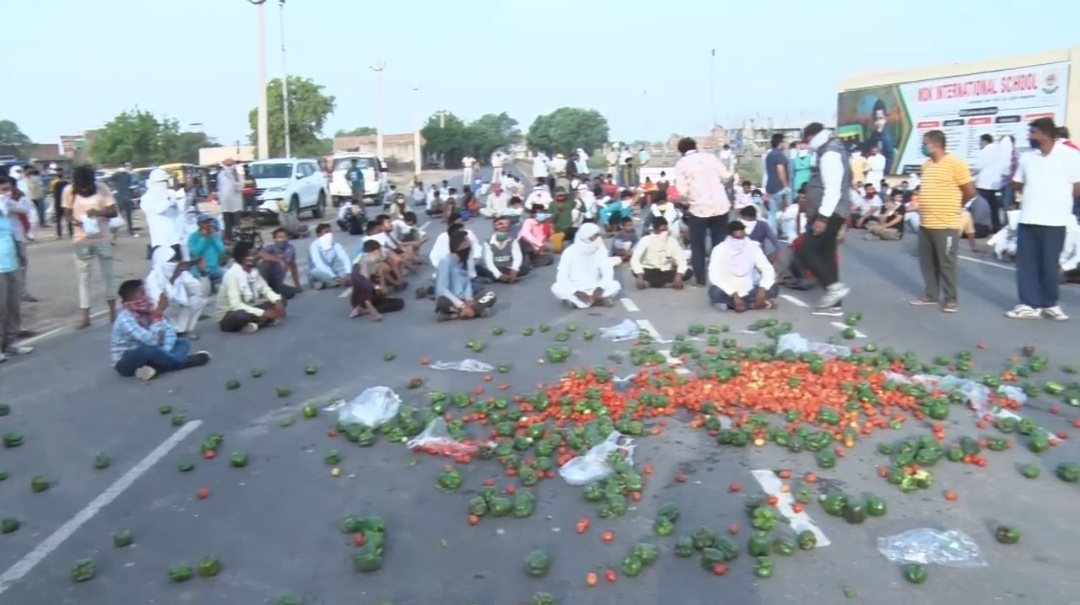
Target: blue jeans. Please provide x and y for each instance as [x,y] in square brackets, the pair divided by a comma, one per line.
[155,357]
[776,205]
[1038,252]
[719,297]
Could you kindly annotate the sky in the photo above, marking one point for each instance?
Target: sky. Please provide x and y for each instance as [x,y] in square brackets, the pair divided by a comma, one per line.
[646,66]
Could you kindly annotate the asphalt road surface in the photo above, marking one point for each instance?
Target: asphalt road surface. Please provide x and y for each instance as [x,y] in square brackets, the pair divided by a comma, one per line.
[274,523]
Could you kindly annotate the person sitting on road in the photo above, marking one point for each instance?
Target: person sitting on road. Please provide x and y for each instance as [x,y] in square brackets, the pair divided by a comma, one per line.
[585,275]
[454,296]
[328,264]
[351,218]
[614,209]
[207,250]
[514,212]
[278,259]
[540,195]
[369,274]
[658,261]
[450,205]
[496,202]
[622,244]
[288,220]
[759,231]
[405,251]
[660,207]
[187,295]
[867,207]
[740,272]
[889,223]
[245,302]
[405,231]
[503,258]
[533,236]
[398,207]
[792,217]
[143,344]
[441,247]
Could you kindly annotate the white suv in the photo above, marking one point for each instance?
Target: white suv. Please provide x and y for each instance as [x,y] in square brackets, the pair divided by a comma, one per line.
[298,181]
[374,170]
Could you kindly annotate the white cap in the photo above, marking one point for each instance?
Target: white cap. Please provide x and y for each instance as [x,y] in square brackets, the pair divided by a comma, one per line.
[157,175]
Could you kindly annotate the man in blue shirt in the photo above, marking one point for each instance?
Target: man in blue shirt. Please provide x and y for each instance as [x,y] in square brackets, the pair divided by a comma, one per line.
[777,178]
[143,343]
[10,289]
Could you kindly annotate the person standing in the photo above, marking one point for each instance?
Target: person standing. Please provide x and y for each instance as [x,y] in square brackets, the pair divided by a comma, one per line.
[727,158]
[778,185]
[37,193]
[467,169]
[701,182]
[1049,179]
[19,208]
[497,166]
[58,185]
[877,163]
[89,205]
[230,197]
[827,208]
[989,177]
[10,290]
[121,183]
[946,185]
[164,219]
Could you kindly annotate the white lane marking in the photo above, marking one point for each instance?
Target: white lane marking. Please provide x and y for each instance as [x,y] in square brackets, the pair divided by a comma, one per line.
[629,305]
[791,299]
[647,326]
[800,522]
[58,329]
[841,326]
[987,263]
[424,226]
[675,363]
[25,565]
[346,293]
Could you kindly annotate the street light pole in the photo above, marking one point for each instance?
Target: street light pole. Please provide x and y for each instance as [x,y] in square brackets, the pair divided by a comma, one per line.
[418,155]
[262,121]
[284,81]
[712,85]
[378,68]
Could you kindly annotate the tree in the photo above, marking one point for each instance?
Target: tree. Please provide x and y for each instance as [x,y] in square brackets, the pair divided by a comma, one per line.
[452,138]
[12,136]
[143,139]
[568,128]
[309,107]
[362,131]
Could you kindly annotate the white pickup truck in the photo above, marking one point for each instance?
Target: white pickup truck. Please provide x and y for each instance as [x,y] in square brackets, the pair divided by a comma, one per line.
[374,177]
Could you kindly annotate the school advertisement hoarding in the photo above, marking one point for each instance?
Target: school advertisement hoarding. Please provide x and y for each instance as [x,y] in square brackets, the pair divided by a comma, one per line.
[894,117]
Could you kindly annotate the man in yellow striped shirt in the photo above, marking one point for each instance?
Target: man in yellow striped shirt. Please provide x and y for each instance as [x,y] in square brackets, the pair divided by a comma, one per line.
[946,184]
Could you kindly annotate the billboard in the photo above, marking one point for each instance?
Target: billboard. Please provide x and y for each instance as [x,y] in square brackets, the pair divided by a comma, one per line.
[895,117]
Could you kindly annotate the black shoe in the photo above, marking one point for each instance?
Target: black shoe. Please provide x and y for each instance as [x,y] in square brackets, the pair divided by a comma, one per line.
[197,359]
[834,311]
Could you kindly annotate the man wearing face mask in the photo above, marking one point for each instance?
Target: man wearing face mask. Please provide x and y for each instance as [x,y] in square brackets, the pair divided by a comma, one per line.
[328,264]
[503,256]
[658,261]
[827,209]
[277,260]
[801,163]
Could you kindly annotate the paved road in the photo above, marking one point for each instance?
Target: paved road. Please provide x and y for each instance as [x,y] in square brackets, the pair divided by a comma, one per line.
[274,523]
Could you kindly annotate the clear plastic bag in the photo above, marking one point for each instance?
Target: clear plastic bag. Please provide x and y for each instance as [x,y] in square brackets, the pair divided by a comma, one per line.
[627,330]
[465,365]
[1013,392]
[952,548]
[593,465]
[372,408]
[436,437]
[796,343]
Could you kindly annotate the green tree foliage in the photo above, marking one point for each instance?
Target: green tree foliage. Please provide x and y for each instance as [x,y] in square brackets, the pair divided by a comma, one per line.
[309,107]
[11,135]
[362,131]
[143,139]
[453,138]
[566,129]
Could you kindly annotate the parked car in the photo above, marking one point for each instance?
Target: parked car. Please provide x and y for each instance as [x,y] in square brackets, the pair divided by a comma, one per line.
[374,181]
[297,181]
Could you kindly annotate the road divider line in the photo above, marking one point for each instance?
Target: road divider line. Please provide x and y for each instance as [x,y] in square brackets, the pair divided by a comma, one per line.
[26,564]
[675,363]
[629,305]
[842,326]
[987,263]
[647,326]
[800,522]
[791,299]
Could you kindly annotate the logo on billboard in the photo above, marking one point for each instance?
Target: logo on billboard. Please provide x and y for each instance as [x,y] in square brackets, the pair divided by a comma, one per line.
[1050,83]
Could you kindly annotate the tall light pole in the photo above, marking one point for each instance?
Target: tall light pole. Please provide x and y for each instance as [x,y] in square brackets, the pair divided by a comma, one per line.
[378,68]
[284,80]
[418,155]
[712,85]
[262,122]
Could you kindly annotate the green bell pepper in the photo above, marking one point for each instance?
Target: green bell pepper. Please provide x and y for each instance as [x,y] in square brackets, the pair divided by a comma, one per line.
[915,573]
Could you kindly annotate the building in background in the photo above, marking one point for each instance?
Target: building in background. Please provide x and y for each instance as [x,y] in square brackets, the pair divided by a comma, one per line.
[893,109]
[396,147]
[212,156]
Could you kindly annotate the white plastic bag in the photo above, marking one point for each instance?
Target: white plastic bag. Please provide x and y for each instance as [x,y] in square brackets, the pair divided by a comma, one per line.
[627,330]
[372,408]
[465,365]
[794,342]
[593,465]
[437,437]
[927,546]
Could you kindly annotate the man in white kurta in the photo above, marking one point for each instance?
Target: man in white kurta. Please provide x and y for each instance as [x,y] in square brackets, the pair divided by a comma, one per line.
[187,294]
[740,275]
[585,276]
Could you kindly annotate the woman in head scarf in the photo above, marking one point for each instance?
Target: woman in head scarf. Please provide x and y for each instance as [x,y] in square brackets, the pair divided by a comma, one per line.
[169,275]
[586,276]
[740,275]
[165,218]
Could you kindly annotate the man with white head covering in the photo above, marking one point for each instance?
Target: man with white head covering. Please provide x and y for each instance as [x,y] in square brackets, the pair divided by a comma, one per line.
[740,275]
[585,276]
[164,217]
[170,275]
[558,165]
[582,163]
[230,196]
